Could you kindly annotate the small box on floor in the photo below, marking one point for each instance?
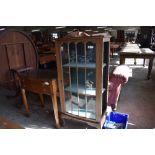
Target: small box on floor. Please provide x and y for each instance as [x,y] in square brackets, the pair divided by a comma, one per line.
[116,120]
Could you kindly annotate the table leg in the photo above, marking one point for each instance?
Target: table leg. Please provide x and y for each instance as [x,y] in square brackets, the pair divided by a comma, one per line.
[122,60]
[150,68]
[53,87]
[135,61]
[25,101]
[111,52]
[144,62]
[55,108]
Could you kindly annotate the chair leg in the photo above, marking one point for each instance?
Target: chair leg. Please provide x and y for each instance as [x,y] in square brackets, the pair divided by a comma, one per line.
[25,102]
[42,100]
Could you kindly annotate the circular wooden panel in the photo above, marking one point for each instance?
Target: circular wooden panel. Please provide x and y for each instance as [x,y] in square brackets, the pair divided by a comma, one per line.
[16,51]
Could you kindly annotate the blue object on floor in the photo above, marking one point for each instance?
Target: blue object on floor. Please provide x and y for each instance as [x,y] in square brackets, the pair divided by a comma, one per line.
[116,120]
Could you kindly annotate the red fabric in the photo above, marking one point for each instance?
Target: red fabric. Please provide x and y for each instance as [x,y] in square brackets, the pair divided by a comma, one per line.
[119,77]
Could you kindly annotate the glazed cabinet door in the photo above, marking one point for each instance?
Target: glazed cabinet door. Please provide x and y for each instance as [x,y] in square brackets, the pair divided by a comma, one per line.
[79,78]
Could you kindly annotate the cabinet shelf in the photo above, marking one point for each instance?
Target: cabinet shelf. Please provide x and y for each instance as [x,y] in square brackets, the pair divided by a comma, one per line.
[83,113]
[82,90]
[82,65]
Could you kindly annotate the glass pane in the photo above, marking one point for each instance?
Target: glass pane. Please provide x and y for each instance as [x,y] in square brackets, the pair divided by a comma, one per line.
[91,91]
[82,105]
[66,80]
[64,54]
[74,90]
[82,92]
[90,53]
[91,107]
[66,77]
[90,79]
[68,101]
[75,104]
[73,78]
[81,79]
[80,53]
[72,53]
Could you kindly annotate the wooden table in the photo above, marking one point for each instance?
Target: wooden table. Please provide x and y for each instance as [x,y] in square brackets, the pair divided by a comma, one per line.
[133,51]
[40,82]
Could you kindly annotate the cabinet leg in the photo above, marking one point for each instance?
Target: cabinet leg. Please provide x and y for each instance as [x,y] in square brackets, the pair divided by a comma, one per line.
[25,102]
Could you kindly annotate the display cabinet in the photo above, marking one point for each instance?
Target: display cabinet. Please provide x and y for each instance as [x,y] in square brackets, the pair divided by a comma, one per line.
[83,66]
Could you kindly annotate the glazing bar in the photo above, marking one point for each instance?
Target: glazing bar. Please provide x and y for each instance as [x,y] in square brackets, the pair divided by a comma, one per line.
[70,77]
[77,77]
[85,78]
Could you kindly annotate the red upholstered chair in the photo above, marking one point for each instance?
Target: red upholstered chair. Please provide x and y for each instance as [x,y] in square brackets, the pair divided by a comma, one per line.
[119,77]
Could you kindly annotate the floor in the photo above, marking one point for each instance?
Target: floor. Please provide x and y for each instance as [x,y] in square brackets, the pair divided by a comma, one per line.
[40,118]
[138,95]
[137,99]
